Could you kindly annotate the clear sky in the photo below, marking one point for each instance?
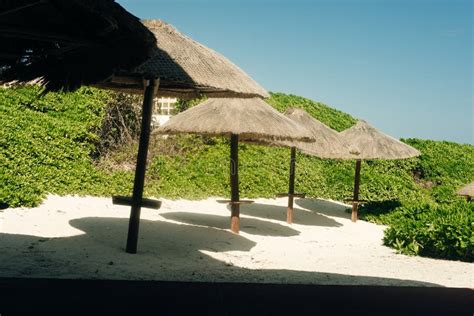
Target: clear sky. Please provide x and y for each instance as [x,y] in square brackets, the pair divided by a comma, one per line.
[405,66]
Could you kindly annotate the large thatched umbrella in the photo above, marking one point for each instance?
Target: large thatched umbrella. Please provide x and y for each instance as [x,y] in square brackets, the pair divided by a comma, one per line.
[245,119]
[69,43]
[367,143]
[187,69]
[467,191]
[326,144]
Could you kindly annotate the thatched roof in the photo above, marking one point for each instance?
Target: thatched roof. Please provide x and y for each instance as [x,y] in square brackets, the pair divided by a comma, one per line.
[467,190]
[250,118]
[187,69]
[69,43]
[327,143]
[366,142]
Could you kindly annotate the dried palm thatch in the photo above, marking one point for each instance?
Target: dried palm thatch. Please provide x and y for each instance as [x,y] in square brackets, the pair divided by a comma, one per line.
[250,118]
[187,69]
[327,142]
[366,142]
[467,190]
[69,43]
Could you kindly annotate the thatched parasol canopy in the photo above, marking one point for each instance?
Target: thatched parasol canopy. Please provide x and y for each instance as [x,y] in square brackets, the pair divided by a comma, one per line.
[69,43]
[251,119]
[467,190]
[366,142]
[327,142]
[187,69]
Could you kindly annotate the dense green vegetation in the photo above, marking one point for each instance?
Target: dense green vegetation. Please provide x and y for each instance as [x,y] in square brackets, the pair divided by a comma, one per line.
[52,144]
[439,231]
[46,145]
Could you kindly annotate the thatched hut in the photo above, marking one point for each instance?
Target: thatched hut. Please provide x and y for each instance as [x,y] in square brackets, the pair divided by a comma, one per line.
[367,143]
[186,69]
[326,144]
[467,191]
[69,43]
[245,119]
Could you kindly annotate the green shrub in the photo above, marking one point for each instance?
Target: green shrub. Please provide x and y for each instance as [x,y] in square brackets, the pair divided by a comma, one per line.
[121,122]
[441,231]
[333,118]
[45,143]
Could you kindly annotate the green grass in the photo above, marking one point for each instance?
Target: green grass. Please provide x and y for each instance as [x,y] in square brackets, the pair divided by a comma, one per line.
[47,145]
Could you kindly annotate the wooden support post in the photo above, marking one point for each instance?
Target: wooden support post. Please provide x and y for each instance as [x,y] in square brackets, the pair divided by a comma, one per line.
[139,181]
[355,202]
[234,183]
[291,187]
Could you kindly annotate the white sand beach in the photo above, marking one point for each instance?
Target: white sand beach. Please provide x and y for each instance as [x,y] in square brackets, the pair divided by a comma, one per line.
[84,238]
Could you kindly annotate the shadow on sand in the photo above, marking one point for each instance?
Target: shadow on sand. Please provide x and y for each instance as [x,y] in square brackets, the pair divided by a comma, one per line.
[248,225]
[301,217]
[169,251]
[37,266]
[163,248]
[324,207]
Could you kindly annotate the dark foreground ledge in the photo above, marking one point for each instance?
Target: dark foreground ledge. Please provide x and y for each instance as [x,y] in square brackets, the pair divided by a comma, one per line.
[107,297]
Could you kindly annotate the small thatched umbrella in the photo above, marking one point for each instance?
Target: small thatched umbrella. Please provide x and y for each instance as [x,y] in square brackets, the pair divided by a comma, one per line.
[467,191]
[245,119]
[326,144]
[367,143]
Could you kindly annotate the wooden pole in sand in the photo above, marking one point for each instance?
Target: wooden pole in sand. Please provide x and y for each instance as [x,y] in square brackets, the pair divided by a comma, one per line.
[291,187]
[234,183]
[139,181]
[355,201]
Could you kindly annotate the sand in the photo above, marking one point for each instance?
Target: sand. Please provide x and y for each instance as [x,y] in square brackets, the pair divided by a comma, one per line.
[84,238]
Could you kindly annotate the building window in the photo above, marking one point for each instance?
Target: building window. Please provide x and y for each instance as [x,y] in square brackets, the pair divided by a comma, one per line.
[165,106]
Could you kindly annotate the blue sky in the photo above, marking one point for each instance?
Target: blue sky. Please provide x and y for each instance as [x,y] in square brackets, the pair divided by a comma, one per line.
[405,66]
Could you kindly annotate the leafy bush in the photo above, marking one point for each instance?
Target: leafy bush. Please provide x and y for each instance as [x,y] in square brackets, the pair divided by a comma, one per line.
[333,118]
[121,122]
[447,166]
[45,143]
[441,231]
